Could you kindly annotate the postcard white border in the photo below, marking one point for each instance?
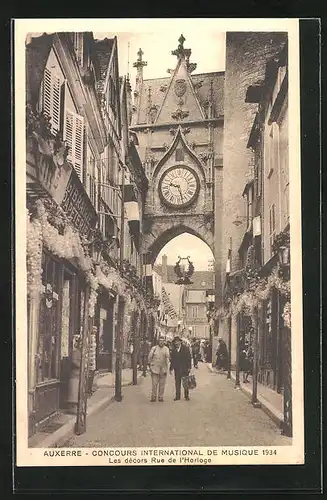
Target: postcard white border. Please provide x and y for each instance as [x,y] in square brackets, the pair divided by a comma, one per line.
[293,454]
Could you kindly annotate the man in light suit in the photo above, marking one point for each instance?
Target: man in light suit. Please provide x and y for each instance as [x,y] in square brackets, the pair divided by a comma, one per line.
[159,363]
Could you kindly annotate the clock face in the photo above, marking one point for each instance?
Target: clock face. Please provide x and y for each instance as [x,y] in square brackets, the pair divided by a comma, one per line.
[179,186]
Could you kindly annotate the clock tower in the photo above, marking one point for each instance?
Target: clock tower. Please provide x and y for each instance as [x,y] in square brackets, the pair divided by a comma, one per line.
[178,120]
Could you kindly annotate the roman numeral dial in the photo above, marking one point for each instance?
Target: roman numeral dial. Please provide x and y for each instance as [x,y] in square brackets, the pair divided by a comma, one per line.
[179,186]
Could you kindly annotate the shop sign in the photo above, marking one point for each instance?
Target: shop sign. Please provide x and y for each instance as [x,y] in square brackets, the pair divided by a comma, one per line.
[78,206]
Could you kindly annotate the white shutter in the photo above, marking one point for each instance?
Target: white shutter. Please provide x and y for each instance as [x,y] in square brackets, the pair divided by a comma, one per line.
[55,113]
[50,98]
[46,88]
[79,143]
[74,136]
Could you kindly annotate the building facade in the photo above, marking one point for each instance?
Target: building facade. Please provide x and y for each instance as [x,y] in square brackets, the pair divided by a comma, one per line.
[179,124]
[190,302]
[197,324]
[256,287]
[85,189]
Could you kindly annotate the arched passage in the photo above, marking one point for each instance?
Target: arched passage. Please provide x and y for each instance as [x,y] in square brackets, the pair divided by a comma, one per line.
[157,239]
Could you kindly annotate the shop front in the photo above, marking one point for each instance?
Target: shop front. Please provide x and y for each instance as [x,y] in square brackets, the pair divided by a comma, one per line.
[60,308]
[57,269]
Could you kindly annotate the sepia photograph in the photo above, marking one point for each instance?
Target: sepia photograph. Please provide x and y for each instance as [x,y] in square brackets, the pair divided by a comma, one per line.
[158,220]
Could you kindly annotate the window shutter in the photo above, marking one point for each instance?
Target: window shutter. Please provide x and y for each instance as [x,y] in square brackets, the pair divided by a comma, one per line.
[46,89]
[79,142]
[74,136]
[51,98]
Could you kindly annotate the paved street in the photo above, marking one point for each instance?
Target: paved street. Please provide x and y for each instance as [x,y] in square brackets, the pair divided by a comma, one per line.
[217,414]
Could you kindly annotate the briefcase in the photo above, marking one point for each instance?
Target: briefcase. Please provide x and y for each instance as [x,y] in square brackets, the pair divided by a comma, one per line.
[189,382]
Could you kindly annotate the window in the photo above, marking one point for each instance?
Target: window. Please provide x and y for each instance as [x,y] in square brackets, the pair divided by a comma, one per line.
[272,226]
[258,172]
[193,311]
[74,136]
[195,296]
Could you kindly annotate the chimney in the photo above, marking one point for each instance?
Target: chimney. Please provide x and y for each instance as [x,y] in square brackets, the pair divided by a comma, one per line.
[164,268]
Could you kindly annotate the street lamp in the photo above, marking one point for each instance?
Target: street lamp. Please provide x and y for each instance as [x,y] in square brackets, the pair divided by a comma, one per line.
[284,261]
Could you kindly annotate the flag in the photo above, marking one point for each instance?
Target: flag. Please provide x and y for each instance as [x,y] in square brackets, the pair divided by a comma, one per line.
[168,307]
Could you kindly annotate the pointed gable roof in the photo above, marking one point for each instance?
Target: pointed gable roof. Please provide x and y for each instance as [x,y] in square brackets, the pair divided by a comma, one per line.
[180,95]
[179,138]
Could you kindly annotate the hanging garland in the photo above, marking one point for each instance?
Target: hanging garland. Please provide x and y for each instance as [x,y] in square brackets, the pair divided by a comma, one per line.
[287,315]
[259,290]
[33,256]
[61,240]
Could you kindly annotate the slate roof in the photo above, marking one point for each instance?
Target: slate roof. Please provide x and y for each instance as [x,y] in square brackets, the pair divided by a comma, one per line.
[102,50]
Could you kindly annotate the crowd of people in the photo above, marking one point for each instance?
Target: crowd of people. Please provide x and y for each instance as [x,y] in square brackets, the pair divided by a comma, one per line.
[179,355]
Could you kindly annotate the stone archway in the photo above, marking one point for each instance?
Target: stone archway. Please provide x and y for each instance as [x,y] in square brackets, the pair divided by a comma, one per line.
[164,231]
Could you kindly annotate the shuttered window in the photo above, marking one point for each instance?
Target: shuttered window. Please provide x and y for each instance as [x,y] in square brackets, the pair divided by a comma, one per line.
[74,136]
[50,98]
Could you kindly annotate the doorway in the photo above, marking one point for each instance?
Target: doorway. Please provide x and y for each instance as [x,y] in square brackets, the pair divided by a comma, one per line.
[104,323]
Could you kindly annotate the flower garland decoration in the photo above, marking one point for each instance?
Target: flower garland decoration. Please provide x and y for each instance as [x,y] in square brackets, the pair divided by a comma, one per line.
[33,256]
[40,232]
[287,315]
[94,285]
[259,290]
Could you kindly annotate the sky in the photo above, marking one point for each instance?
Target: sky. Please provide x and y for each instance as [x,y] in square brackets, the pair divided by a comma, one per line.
[187,245]
[208,51]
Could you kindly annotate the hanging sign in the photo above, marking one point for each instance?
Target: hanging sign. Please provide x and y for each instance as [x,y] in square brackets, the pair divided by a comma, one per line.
[78,207]
[257,226]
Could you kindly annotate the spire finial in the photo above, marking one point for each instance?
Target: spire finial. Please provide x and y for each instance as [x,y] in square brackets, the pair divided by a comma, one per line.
[181,40]
[139,63]
[180,52]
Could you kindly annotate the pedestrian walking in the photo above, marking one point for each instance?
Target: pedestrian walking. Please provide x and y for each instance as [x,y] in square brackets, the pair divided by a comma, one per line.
[246,360]
[208,352]
[180,362]
[159,363]
[222,355]
[195,352]
[144,353]
[202,351]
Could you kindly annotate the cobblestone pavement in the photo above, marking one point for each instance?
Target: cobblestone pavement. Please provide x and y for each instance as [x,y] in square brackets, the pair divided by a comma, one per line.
[216,415]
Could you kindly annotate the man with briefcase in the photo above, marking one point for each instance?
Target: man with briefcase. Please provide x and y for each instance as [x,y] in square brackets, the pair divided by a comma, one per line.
[180,362]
